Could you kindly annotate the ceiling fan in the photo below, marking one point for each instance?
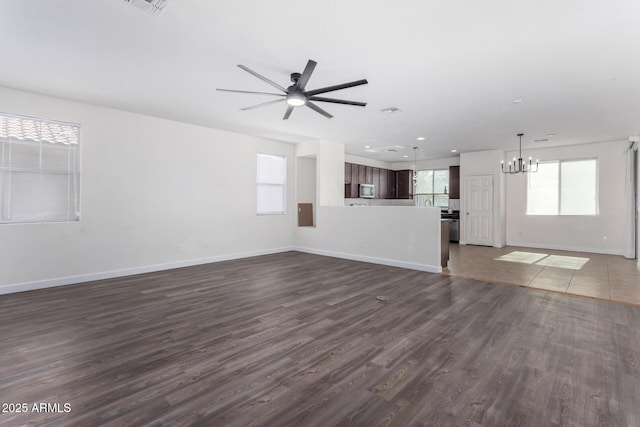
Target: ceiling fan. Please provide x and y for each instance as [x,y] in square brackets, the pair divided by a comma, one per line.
[296,95]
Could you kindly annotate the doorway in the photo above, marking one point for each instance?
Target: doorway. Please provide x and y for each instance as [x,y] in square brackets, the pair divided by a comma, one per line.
[479,210]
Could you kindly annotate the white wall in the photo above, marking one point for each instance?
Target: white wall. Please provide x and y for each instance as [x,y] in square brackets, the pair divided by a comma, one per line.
[485,163]
[398,236]
[579,233]
[350,158]
[154,194]
[306,180]
[443,163]
[329,170]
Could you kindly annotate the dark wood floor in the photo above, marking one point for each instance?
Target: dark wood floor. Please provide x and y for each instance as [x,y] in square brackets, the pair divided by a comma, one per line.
[298,339]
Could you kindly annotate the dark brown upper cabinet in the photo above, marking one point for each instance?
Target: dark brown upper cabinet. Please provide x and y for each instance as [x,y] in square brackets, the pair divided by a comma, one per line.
[388,184]
[383,189]
[404,184]
[376,183]
[454,182]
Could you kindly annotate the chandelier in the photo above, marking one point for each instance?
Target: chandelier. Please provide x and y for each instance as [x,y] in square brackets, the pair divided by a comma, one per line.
[519,165]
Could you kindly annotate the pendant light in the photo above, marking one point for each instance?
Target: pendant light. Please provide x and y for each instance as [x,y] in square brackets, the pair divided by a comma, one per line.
[519,165]
[415,165]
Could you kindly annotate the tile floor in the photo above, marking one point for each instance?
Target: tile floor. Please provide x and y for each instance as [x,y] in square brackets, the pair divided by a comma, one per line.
[609,277]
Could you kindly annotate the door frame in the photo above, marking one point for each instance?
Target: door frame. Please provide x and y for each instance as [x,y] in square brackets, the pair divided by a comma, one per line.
[467,195]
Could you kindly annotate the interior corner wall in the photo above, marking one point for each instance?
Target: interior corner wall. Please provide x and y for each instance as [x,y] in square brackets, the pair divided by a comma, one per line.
[155,194]
[306,180]
[329,170]
[602,233]
[331,173]
[484,163]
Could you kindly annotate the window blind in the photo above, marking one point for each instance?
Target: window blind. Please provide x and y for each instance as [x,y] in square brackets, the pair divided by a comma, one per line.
[39,170]
[566,187]
[271,184]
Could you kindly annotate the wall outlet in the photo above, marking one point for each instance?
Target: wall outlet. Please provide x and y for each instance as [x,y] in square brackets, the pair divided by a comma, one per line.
[604,238]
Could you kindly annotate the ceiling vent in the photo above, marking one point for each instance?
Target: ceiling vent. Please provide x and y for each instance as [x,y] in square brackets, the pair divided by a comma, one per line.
[389,149]
[153,7]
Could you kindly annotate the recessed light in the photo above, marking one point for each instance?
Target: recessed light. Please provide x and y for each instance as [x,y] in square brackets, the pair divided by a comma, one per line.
[454,151]
[517,101]
[551,135]
[405,156]
[421,138]
[367,146]
[390,110]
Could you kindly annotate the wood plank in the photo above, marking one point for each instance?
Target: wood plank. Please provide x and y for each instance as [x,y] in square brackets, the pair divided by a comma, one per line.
[300,339]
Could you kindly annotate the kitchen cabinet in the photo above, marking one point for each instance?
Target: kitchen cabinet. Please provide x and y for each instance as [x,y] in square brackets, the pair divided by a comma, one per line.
[454,182]
[347,180]
[391,184]
[404,184]
[444,242]
[354,180]
[376,183]
[388,184]
[383,191]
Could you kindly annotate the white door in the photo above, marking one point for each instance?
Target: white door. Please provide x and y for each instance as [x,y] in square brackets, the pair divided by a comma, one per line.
[479,210]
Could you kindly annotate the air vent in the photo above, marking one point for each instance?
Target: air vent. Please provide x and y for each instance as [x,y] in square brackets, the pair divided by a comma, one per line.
[541,140]
[388,149]
[153,7]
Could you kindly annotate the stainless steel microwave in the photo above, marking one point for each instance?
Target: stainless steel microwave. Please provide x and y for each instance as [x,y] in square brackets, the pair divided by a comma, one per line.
[366,191]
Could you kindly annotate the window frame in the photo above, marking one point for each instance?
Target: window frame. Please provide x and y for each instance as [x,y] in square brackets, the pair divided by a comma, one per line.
[260,184]
[596,207]
[72,173]
[432,195]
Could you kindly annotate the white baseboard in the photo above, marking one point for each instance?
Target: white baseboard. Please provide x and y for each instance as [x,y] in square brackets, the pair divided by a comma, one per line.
[374,260]
[567,248]
[72,280]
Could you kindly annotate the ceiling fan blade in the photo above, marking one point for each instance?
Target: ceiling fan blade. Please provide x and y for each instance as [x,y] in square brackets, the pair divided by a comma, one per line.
[264,104]
[336,87]
[337,101]
[317,109]
[288,112]
[248,91]
[263,78]
[306,74]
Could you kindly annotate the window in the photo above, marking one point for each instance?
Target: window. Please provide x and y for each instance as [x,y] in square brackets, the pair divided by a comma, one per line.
[432,188]
[271,184]
[39,170]
[567,187]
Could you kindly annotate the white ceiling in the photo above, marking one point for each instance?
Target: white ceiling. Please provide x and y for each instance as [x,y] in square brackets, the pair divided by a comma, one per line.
[453,67]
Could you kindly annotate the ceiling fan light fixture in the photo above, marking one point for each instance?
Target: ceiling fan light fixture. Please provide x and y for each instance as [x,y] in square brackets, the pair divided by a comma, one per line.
[296,99]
